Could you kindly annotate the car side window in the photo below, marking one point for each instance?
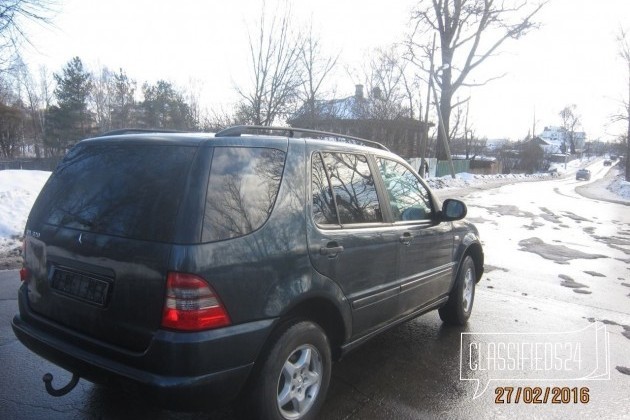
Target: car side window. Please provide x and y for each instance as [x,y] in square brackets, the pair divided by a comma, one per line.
[347,185]
[324,210]
[409,199]
[242,190]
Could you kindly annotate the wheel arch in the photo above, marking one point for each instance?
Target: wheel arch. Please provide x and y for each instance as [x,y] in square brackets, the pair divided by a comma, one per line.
[470,246]
[476,253]
[326,314]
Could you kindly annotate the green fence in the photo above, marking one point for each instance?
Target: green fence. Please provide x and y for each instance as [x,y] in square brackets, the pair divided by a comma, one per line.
[443,167]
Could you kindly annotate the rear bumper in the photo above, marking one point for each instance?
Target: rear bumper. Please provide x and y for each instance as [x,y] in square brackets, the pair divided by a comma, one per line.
[186,371]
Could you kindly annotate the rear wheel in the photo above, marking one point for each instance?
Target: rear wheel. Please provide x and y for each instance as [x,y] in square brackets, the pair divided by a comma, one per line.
[458,308]
[294,378]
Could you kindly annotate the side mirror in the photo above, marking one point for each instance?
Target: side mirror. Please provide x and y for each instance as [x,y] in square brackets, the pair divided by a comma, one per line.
[453,210]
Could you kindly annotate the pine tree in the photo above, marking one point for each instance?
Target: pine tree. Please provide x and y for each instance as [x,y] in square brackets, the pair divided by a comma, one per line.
[165,107]
[123,101]
[71,118]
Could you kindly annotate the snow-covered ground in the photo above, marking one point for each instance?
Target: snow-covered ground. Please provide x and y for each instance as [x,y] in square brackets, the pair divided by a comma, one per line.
[620,187]
[19,189]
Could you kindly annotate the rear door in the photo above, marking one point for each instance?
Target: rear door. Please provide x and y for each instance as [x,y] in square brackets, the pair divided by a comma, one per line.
[353,245]
[100,235]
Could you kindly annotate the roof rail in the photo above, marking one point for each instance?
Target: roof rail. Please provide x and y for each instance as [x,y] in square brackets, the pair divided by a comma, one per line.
[237,130]
[122,131]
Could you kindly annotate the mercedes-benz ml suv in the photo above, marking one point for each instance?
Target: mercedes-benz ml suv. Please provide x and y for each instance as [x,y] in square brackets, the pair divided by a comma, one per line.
[199,268]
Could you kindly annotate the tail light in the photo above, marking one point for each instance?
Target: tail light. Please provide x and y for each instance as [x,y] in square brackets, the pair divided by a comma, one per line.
[192,305]
[24,273]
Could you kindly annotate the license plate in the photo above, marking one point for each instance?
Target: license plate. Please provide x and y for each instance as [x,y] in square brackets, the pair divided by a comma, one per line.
[81,286]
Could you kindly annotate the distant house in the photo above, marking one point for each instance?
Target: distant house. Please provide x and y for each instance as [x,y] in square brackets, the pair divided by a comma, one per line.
[538,141]
[358,116]
[558,138]
[486,165]
[493,145]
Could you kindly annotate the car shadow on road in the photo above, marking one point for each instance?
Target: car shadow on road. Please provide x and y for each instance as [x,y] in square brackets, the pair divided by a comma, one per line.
[402,373]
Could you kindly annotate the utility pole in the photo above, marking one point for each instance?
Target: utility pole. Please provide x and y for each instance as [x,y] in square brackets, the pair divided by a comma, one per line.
[534,124]
[425,131]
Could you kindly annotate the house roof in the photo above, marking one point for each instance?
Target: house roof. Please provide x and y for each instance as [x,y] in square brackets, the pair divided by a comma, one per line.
[350,108]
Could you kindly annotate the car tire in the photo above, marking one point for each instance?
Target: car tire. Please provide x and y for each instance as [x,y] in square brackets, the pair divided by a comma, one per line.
[459,306]
[295,374]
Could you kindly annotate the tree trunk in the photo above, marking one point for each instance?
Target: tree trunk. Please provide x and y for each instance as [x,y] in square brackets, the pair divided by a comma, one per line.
[445,110]
[446,96]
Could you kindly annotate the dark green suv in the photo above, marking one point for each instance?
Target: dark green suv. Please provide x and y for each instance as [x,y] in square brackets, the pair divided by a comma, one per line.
[198,268]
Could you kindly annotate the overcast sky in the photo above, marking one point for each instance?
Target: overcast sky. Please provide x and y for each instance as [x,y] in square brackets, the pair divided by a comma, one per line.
[572,59]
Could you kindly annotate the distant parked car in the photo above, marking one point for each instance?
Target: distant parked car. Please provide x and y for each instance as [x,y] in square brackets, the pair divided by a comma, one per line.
[583,174]
[607,162]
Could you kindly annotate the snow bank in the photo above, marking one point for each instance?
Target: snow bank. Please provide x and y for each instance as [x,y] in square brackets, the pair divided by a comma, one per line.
[463,180]
[18,191]
[620,187]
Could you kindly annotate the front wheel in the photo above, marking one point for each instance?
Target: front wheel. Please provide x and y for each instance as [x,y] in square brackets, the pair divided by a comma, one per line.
[458,308]
[295,375]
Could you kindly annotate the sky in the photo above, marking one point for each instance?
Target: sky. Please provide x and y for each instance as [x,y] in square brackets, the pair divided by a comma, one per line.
[572,59]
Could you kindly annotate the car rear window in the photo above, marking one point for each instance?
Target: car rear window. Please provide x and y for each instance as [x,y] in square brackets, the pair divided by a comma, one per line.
[129,190]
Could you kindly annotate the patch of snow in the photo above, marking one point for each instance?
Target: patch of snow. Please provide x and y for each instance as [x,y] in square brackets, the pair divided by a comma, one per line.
[466,179]
[620,187]
[18,191]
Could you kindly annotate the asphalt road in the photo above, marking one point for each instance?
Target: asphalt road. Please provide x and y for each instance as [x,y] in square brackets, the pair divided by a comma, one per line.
[412,371]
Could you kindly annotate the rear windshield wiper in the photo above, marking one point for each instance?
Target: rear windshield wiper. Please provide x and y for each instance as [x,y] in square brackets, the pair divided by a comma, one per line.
[73,217]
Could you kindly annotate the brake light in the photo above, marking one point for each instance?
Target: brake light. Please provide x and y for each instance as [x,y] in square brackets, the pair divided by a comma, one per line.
[192,305]
[24,271]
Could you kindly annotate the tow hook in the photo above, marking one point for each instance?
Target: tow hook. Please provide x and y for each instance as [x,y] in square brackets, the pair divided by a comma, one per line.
[48,378]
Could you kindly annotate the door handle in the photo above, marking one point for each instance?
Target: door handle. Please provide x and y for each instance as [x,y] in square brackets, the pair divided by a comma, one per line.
[406,238]
[331,249]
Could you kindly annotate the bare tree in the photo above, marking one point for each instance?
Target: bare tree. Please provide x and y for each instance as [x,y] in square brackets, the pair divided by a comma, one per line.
[570,121]
[112,99]
[123,103]
[470,31]
[45,88]
[101,98]
[458,123]
[13,15]
[220,118]
[11,116]
[192,96]
[34,107]
[10,129]
[316,68]
[391,90]
[463,137]
[624,52]
[275,53]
